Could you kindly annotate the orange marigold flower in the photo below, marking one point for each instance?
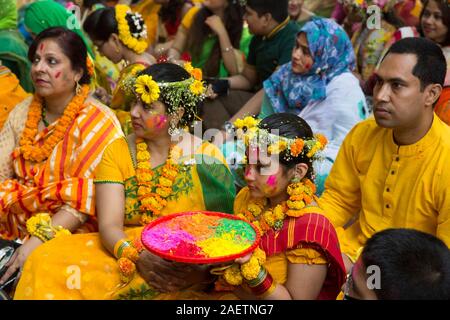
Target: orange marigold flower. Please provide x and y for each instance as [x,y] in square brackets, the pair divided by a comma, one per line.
[297,147]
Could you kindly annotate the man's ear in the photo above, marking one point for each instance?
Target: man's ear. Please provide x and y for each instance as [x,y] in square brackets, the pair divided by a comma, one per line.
[267,18]
[432,94]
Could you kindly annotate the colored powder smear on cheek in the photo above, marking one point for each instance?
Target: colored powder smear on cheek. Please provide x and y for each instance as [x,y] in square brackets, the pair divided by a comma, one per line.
[156,122]
[200,236]
[272,181]
[57,74]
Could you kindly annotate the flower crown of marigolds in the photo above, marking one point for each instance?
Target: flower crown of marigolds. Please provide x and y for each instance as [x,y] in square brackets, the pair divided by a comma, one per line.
[253,135]
[187,92]
[136,41]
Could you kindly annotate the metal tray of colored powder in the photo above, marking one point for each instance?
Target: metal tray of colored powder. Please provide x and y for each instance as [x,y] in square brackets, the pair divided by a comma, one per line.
[201,237]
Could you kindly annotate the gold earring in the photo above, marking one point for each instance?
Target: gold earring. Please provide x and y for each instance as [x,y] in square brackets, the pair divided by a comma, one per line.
[78,88]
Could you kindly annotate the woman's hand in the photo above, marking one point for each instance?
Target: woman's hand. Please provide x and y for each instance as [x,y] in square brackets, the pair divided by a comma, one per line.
[244,259]
[167,276]
[216,24]
[19,257]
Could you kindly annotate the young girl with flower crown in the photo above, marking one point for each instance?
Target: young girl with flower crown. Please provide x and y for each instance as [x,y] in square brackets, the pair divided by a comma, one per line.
[298,256]
[158,170]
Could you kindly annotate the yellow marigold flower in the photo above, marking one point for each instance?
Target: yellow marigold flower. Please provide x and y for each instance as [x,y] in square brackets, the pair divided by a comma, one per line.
[147,88]
[232,275]
[197,74]
[239,123]
[296,205]
[142,155]
[269,218]
[165,182]
[278,212]
[295,189]
[197,87]
[313,150]
[142,191]
[277,147]
[141,147]
[176,153]
[144,165]
[260,255]
[126,266]
[250,122]
[164,191]
[254,209]
[250,269]
[171,174]
[188,67]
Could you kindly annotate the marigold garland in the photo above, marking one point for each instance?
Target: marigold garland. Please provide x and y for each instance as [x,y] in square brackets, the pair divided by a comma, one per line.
[152,202]
[39,153]
[89,66]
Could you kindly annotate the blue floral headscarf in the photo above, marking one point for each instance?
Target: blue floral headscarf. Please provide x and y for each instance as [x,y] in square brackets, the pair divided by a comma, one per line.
[333,55]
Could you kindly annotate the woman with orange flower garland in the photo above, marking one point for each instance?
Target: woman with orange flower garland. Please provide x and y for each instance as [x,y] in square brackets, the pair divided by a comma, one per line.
[156,171]
[50,145]
[299,255]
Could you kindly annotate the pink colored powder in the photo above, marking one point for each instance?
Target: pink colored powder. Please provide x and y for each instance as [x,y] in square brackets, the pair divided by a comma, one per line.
[272,181]
[165,239]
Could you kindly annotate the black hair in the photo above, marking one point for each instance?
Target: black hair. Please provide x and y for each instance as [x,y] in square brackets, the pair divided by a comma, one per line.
[429,57]
[90,3]
[445,11]
[277,8]
[200,31]
[413,265]
[71,44]
[290,126]
[170,72]
[169,12]
[102,23]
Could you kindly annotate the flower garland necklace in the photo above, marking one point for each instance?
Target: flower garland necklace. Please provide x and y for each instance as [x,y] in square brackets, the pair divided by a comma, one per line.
[40,153]
[152,202]
[301,194]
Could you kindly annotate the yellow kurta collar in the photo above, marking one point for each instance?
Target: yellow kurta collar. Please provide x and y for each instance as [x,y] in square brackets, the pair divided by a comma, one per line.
[277,29]
[431,138]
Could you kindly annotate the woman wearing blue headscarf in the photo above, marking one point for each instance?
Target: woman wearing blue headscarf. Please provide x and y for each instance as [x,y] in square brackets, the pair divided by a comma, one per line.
[318,85]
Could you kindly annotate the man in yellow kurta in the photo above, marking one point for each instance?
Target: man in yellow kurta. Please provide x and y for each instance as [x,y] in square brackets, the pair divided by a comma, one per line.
[393,171]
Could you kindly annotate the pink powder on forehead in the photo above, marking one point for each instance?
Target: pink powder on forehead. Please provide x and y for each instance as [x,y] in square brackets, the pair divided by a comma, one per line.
[272,181]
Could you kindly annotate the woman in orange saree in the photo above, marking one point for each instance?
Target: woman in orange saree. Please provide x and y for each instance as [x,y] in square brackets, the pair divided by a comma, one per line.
[51,143]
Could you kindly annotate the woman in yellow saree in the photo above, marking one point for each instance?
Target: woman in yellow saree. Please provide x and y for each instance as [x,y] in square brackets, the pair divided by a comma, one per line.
[156,171]
[121,35]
